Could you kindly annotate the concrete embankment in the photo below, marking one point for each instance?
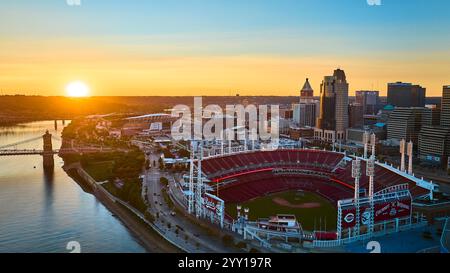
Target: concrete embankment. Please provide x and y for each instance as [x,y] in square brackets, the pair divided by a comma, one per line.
[152,240]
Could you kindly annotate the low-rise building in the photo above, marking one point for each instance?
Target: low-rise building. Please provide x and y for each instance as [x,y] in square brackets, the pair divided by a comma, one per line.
[355,135]
[434,145]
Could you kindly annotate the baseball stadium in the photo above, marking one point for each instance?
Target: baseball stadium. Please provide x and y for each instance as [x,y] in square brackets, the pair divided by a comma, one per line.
[326,198]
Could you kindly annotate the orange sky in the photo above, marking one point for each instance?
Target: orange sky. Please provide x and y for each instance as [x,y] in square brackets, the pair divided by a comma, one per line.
[45,68]
[198,47]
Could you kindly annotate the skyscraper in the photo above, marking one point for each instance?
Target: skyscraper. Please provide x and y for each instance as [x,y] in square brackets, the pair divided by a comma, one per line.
[333,120]
[305,111]
[356,115]
[370,101]
[445,107]
[406,95]
[435,114]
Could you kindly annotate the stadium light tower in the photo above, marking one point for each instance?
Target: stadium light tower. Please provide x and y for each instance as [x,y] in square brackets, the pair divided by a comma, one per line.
[222,142]
[402,153]
[356,174]
[366,142]
[199,185]
[246,211]
[191,180]
[373,142]
[370,172]
[410,156]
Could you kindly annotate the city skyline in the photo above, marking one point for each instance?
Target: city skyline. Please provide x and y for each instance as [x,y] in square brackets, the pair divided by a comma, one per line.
[182,48]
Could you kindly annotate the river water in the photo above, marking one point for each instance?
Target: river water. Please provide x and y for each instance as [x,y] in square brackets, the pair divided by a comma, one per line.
[42,212]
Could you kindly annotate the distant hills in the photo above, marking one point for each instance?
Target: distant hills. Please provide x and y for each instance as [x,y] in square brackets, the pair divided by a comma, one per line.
[21,108]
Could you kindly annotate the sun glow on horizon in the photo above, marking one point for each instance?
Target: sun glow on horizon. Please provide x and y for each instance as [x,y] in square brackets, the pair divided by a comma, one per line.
[77,89]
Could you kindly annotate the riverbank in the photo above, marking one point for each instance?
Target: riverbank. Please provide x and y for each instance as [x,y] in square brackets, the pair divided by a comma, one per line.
[150,239]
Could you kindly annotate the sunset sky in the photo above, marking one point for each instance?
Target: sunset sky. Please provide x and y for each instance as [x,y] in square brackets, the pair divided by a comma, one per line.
[220,47]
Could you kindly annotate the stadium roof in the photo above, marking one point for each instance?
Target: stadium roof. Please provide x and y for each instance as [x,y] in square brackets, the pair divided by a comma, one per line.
[150,116]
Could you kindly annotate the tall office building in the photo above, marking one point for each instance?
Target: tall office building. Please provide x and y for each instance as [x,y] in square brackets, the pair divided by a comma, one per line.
[445,107]
[306,111]
[435,114]
[333,119]
[406,95]
[406,123]
[370,101]
[356,115]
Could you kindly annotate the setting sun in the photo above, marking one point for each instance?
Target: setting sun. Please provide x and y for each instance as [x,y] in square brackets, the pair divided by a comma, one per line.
[77,89]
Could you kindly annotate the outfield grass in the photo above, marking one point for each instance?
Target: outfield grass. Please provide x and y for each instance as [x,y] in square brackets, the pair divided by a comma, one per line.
[309,218]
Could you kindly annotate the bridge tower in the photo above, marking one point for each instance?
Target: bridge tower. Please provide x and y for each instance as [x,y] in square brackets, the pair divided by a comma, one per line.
[48,150]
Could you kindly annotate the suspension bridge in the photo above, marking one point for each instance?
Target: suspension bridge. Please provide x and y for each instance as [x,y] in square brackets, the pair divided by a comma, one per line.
[13,150]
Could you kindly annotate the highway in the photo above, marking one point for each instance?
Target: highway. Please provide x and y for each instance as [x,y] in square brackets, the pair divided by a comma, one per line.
[197,242]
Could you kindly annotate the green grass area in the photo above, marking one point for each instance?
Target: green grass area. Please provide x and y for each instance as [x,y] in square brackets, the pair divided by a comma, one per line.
[310,218]
[109,186]
[100,171]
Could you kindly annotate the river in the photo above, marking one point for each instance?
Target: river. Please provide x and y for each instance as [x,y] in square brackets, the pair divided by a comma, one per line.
[42,212]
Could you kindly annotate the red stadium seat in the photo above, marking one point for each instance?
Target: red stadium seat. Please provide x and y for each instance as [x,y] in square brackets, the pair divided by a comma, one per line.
[245,176]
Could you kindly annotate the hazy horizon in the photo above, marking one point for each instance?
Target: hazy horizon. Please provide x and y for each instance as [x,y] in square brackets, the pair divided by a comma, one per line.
[217,48]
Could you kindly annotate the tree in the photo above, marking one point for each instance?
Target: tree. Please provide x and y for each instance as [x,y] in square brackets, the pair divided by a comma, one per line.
[227,240]
[161,163]
[164,181]
[149,217]
[241,245]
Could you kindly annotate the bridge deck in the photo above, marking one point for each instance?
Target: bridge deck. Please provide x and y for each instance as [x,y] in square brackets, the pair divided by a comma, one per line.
[25,152]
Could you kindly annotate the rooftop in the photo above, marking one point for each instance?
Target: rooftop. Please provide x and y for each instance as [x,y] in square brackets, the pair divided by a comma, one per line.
[149,116]
[401,83]
[307,86]
[389,107]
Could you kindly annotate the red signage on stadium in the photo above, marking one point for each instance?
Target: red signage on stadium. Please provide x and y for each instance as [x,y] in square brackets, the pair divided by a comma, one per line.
[392,210]
[211,202]
[348,218]
[382,212]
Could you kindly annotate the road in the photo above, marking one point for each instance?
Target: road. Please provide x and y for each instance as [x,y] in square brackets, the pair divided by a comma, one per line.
[197,241]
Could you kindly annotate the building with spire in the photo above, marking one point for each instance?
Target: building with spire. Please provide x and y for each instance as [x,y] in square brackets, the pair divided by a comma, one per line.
[305,113]
[307,93]
[332,123]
